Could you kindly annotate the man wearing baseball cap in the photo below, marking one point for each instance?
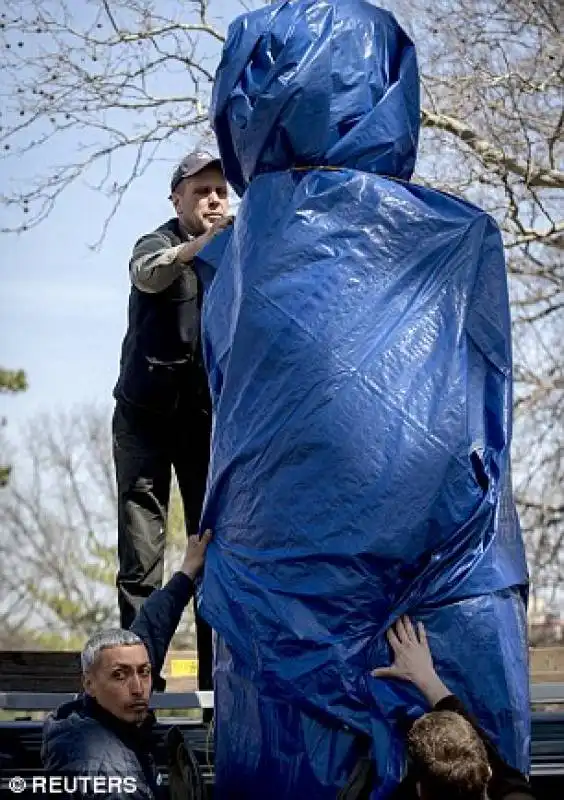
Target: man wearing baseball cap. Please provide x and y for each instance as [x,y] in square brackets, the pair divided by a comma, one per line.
[162,416]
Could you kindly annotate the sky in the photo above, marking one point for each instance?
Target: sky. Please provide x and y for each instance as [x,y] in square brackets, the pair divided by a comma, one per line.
[62,305]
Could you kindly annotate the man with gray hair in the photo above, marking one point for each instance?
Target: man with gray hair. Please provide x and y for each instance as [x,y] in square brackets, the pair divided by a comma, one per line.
[106,732]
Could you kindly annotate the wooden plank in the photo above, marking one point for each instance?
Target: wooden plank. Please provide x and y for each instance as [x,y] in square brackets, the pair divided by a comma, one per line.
[39,671]
[59,671]
[50,671]
[46,701]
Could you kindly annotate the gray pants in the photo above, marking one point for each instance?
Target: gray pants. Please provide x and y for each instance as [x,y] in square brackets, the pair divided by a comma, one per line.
[146,448]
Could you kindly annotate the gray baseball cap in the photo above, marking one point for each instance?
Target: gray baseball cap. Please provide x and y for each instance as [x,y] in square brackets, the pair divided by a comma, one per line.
[191,165]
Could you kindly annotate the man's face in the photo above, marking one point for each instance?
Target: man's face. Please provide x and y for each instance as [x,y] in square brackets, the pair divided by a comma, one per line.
[201,200]
[120,681]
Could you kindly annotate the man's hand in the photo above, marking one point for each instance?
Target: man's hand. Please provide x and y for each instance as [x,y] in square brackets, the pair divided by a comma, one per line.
[413,660]
[221,224]
[216,227]
[195,554]
[190,250]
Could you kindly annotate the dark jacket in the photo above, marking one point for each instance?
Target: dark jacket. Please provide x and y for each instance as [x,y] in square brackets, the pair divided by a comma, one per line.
[160,356]
[82,739]
[506,783]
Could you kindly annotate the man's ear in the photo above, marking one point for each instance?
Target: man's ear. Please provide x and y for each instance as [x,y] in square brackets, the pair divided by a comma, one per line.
[87,683]
[176,197]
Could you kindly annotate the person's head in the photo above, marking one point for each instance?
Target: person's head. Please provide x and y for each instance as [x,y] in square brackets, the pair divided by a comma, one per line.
[116,672]
[449,760]
[198,191]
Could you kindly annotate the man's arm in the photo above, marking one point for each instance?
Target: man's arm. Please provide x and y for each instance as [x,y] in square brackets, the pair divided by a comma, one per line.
[413,662]
[160,614]
[155,265]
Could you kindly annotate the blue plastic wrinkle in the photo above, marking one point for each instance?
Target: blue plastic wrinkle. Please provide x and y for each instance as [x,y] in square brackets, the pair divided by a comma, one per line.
[356,334]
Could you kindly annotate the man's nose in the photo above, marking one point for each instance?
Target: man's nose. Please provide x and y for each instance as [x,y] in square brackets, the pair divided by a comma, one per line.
[136,686]
[213,199]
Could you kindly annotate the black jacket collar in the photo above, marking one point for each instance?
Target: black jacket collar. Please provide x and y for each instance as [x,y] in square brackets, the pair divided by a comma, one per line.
[136,736]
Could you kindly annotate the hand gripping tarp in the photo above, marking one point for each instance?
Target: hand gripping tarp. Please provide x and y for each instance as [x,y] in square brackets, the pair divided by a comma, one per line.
[357,339]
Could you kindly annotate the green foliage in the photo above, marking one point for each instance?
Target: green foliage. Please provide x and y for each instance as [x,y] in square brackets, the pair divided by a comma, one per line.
[12,380]
[102,569]
[4,475]
[49,640]
[77,618]
[58,555]
[77,614]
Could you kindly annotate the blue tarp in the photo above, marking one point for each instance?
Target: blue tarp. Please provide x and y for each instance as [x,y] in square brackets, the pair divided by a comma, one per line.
[356,334]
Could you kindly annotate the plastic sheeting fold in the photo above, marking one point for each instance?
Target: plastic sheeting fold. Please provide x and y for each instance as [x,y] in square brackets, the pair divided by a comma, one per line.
[356,334]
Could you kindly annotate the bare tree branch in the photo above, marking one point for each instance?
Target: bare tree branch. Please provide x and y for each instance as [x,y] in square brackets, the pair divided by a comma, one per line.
[58,516]
[97,81]
[492,157]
